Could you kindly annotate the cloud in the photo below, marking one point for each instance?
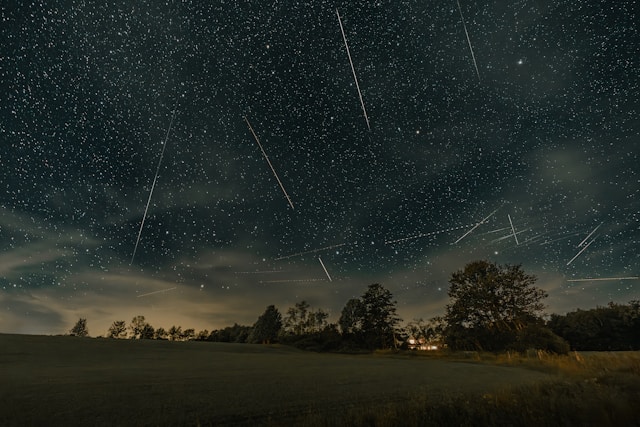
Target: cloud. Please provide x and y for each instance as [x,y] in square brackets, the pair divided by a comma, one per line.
[30,257]
[24,313]
[104,298]
[38,249]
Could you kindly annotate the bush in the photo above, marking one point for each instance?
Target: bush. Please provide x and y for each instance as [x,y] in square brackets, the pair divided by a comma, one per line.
[540,338]
[328,339]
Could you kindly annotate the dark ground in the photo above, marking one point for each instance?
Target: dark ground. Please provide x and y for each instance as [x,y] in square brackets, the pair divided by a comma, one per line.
[83,381]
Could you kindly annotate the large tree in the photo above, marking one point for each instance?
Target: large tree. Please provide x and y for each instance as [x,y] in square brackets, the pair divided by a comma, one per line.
[371,320]
[379,320]
[296,320]
[351,317]
[490,304]
[267,327]
[80,328]
[301,320]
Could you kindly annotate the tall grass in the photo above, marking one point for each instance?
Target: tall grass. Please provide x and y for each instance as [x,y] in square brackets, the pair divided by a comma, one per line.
[590,364]
[593,389]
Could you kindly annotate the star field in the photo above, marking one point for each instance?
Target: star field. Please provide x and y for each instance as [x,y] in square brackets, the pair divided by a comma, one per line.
[546,136]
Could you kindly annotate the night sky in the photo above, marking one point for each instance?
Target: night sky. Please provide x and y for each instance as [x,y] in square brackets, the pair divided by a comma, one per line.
[541,142]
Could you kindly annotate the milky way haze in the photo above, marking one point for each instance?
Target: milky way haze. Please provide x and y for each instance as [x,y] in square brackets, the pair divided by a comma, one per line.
[531,158]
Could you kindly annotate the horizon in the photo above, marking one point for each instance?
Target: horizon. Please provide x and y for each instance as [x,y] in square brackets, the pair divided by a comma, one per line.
[248,319]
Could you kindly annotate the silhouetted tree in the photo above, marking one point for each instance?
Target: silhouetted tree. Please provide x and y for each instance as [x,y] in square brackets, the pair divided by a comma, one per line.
[160,334]
[352,317]
[267,327]
[140,329]
[295,321]
[327,339]
[308,329]
[319,321]
[118,329]
[188,334]
[370,321]
[175,333]
[490,304]
[379,320]
[80,328]
[300,320]
[147,333]
[202,335]
[615,327]
[236,333]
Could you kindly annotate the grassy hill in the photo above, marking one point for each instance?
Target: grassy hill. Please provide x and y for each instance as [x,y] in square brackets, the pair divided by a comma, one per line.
[65,381]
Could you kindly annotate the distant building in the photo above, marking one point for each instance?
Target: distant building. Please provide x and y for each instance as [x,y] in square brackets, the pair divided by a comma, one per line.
[420,344]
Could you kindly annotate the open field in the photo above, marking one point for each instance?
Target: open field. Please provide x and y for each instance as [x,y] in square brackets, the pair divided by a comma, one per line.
[82,381]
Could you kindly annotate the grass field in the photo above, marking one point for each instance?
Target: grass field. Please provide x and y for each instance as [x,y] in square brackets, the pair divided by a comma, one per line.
[66,381]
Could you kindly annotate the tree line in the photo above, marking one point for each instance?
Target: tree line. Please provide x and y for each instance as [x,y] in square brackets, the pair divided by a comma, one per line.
[611,328]
[140,329]
[492,308]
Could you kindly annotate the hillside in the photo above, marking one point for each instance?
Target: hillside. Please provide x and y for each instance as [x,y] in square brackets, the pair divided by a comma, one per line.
[82,381]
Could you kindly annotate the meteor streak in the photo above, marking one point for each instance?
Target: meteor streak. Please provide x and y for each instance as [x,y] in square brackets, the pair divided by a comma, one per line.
[432,233]
[259,272]
[476,226]
[546,242]
[311,251]
[344,37]
[292,280]
[590,234]
[497,230]
[513,229]
[600,279]
[508,236]
[534,239]
[325,269]
[157,292]
[468,40]
[153,186]
[269,162]
[582,250]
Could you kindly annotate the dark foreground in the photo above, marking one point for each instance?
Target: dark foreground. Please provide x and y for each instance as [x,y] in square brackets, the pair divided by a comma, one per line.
[66,381]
